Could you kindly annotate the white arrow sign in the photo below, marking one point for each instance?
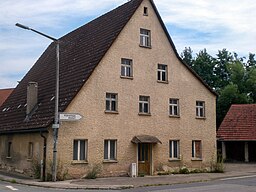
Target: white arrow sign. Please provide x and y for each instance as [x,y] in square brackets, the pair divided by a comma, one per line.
[69,116]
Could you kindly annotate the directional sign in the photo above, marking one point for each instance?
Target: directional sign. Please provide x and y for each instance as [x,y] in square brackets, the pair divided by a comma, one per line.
[69,116]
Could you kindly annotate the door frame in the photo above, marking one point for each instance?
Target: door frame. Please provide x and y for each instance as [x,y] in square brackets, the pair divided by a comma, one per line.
[150,145]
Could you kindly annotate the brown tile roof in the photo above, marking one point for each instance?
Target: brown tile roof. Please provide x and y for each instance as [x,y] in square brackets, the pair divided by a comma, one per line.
[239,123]
[80,52]
[4,94]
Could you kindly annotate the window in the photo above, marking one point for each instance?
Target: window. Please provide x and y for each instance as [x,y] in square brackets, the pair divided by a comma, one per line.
[145,38]
[9,148]
[174,149]
[111,102]
[196,149]
[110,150]
[145,11]
[126,67]
[144,105]
[30,150]
[80,150]
[162,73]
[200,109]
[174,107]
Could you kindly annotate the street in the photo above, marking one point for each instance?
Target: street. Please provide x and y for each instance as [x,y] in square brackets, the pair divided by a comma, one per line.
[238,184]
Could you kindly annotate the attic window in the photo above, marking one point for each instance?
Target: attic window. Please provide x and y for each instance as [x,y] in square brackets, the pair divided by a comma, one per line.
[145,11]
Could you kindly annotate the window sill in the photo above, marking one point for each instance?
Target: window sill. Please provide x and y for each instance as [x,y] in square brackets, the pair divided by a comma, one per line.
[29,159]
[8,157]
[109,161]
[164,82]
[200,117]
[144,46]
[111,112]
[174,159]
[196,159]
[75,162]
[174,116]
[126,77]
[144,114]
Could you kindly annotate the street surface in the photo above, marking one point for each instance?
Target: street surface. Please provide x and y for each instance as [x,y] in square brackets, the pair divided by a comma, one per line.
[238,184]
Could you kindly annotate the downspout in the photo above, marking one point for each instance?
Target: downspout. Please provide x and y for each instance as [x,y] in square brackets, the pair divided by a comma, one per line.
[44,156]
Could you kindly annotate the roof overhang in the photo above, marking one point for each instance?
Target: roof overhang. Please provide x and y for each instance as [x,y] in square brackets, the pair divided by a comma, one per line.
[145,139]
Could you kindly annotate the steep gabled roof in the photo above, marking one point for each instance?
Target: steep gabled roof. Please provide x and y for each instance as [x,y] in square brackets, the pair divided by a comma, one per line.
[80,52]
[239,124]
[4,94]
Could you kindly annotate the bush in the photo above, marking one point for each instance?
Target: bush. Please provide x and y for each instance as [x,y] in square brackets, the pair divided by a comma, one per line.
[184,170]
[36,168]
[94,172]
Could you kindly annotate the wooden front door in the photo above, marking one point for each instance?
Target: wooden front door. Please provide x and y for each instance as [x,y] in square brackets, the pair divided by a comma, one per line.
[144,158]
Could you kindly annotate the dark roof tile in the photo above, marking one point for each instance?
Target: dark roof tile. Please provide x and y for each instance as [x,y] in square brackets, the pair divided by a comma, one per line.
[239,123]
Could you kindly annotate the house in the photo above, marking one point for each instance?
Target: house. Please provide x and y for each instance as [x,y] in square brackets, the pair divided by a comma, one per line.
[4,93]
[141,105]
[237,133]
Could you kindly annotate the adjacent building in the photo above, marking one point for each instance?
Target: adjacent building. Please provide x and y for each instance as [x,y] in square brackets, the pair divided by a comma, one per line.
[4,94]
[140,103]
[237,133]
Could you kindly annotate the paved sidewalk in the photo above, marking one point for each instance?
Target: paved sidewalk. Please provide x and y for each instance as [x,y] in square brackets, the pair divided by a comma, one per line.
[231,170]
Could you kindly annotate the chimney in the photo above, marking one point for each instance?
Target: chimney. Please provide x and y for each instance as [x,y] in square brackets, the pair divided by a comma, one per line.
[32,93]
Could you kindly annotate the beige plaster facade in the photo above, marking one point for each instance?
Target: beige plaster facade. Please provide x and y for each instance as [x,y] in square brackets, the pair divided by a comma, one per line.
[98,125]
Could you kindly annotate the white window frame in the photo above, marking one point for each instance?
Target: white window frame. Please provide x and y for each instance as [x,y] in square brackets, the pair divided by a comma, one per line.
[110,100]
[79,149]
[126,66]
[200,109]
[109,158]
[143,101]
[162,72]
[194,153]
[172,149]
[172,107]
[145,38]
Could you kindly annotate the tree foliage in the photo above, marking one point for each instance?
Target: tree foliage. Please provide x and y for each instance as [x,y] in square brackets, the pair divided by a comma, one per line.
[231,76]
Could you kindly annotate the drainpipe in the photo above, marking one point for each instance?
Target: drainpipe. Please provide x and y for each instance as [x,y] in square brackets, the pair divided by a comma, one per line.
[44,156]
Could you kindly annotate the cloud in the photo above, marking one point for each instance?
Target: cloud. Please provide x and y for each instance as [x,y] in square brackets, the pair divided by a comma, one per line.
[228,24]
[199,24]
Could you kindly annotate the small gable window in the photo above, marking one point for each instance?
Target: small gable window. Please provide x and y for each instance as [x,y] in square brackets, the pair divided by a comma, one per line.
[126,67]
[145,11]
[162,73]
[145,38]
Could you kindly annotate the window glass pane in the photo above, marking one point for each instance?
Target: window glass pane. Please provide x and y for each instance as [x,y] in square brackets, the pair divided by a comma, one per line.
[141,108]
[113,106]
[146,108]
[107,105]
[82,150]
[163,76]
[122,70]
[175,149]
[75,150]
[112,150]
[170,149]
[106,149]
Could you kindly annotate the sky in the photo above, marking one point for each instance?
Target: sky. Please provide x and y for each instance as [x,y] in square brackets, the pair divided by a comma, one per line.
[210,24]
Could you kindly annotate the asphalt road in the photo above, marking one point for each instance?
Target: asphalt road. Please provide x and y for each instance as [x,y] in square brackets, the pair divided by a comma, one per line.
[244,184]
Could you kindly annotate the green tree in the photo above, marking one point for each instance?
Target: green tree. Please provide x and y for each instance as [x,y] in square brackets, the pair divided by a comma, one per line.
[221,71]
[187,56]
[229,95]
[204,67]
